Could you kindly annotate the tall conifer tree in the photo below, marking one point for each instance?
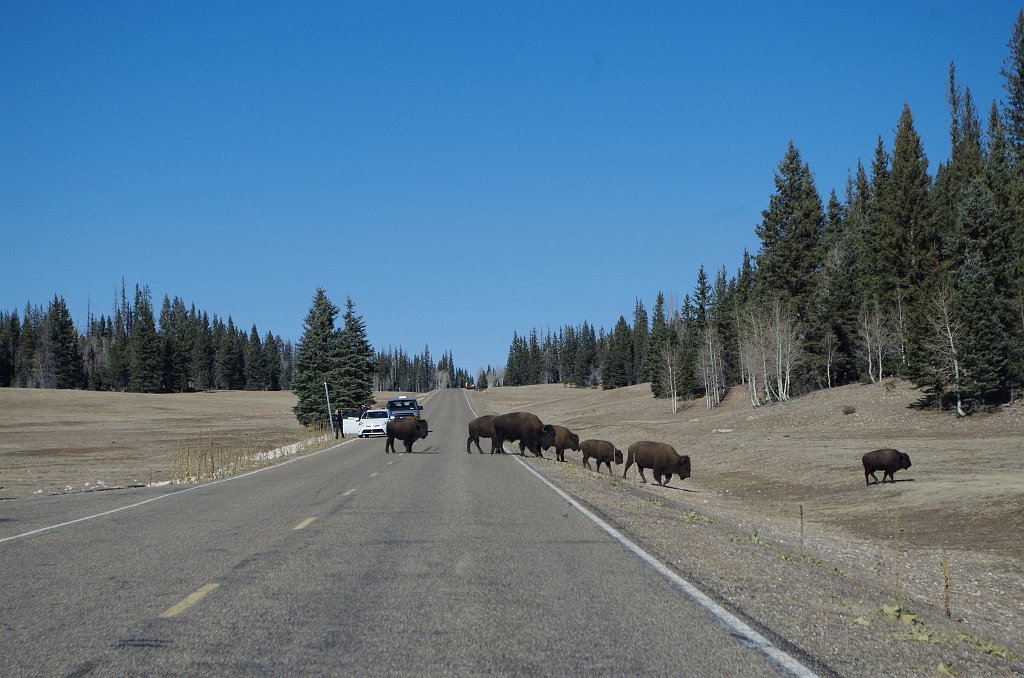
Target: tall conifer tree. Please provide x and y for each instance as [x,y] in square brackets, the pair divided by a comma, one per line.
[351,376]
[313,361]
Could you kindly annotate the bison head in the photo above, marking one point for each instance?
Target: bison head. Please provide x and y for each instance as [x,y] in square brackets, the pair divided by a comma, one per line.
[421,428]
[618,456]
[683,467]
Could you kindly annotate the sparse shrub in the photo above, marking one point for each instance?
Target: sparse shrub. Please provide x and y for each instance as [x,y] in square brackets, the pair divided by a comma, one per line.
[849,409]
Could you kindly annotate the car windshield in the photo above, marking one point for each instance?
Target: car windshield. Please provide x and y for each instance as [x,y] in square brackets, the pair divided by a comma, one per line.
[402,405]
[375,414]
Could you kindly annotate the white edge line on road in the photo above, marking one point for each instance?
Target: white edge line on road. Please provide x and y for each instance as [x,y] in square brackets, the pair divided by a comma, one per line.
[169,494]
[744,633]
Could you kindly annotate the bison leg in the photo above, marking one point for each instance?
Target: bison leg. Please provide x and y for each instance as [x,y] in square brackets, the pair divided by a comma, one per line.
[468,441]
[873,477]
[586,463]
[609,467]
[643,479]
[629,462]
[389,443]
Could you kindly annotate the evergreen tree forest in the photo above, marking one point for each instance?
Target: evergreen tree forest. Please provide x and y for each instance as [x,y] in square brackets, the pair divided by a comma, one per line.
[912,273]
[139,348]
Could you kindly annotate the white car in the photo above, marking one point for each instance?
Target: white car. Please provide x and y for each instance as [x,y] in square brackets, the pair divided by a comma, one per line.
[374,423]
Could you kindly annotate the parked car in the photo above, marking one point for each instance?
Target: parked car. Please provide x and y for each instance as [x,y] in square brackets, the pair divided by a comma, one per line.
[374,423]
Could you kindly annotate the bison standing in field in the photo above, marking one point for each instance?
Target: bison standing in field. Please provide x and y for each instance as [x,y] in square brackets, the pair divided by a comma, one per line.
[662,458]
[887,460]
[481,427]
[563,440]
[524,427]
[601,450]
[406,429]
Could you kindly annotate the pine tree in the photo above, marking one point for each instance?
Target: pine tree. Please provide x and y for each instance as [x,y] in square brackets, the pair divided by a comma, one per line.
[313,361]
[985,345]
[641,342]
[567,355]
[351,374]
[146,363]
[1005,180]
[657,347]
[272,360]
[586,363]
[10,329]
[790,233]
[615,370]
[61,358]
[1013,72]
[257,376]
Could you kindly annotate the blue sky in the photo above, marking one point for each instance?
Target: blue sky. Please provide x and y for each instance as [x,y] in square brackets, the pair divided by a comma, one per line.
[462,170]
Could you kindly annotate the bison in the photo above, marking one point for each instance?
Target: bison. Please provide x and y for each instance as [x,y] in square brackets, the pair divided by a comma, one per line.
[524,427]
[406,429]
[563,439]
[601,450]
[889,461]
[662,458]
[481,427]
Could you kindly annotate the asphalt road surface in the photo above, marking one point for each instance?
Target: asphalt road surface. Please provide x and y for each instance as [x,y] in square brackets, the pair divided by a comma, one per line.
[350,562]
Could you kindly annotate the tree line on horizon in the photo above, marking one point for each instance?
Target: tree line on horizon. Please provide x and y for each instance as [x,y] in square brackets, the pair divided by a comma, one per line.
[180,349]
[910,274]
[133,349]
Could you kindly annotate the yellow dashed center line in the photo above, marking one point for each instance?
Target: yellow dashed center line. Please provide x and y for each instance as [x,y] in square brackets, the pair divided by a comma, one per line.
[348,492]
[304,523]
[189,601]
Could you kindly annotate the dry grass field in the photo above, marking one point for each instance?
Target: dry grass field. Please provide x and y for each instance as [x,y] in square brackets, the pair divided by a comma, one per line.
[59,441]
[965,487]
[767,483]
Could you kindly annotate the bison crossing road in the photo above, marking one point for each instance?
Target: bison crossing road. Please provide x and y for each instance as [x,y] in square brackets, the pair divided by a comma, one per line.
[531,433]
[406,429]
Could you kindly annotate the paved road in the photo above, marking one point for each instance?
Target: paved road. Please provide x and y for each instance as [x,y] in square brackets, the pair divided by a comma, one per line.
[347,562]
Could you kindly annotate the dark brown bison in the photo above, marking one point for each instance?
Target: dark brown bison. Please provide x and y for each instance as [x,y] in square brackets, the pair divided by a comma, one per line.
[524,427]
[601,450]
[563,440]
[406,429]
[481,427]
[662,458]
[886,460]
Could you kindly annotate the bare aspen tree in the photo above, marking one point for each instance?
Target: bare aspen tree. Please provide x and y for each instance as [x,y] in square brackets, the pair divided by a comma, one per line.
[946,336]
[769,348]
[670,373]
[875,338]
[831,350]
[750,352]
[712,366]
[785,345]
[901,328]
